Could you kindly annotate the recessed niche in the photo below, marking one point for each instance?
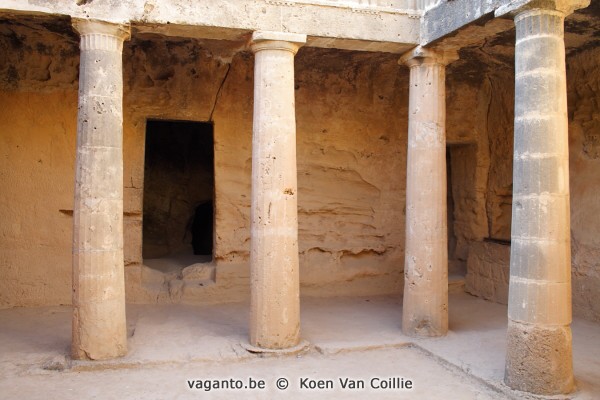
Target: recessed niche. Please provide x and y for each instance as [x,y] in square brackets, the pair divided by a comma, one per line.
[178,194]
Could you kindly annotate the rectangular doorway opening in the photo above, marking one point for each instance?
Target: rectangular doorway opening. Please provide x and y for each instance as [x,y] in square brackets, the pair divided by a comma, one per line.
[178,225]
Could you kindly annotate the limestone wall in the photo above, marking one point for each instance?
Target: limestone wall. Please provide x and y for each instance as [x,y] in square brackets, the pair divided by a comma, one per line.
[36,202]
[583,77]
[469,158]
[351,116]
[38,106]
[482,174]
[488,271]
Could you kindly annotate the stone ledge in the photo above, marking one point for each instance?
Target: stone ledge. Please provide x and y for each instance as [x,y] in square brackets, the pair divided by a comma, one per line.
[396,30]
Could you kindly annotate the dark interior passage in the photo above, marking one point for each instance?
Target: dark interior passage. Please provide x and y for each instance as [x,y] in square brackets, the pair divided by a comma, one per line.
[202,229]
[455,266]
[450,207]
[178,189]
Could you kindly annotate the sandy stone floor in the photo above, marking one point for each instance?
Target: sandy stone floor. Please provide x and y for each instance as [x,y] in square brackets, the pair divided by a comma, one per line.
[174,346]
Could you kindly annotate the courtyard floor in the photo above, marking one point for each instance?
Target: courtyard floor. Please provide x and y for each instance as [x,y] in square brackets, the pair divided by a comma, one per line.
[353,342]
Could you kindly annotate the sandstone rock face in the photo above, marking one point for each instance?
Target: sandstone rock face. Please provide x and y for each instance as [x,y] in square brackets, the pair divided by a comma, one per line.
[355,136]
[351,113]
[39,72]
[583,78]
[351,135]
[479,110]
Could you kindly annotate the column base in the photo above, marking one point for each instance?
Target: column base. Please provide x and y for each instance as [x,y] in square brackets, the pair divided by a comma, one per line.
[422,319]
[539,359]
[423,328]
[300,347]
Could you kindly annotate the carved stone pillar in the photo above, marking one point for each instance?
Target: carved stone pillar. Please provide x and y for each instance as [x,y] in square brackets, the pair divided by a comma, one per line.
[99,329]
[425,305]
[539,355]
[275,301]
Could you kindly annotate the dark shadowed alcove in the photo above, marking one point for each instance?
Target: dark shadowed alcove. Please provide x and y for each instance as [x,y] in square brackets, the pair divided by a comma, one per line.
[178,192]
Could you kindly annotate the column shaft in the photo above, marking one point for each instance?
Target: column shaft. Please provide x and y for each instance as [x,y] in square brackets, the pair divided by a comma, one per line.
[425,306]
[275,301]
[99,329]
[539,358]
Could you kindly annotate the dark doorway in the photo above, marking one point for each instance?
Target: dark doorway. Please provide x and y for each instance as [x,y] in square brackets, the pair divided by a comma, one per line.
[178,191]
[452,262]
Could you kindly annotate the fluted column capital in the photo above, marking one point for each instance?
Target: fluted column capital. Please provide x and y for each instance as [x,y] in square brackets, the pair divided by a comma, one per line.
[101,35]
[564,7]
[268,40]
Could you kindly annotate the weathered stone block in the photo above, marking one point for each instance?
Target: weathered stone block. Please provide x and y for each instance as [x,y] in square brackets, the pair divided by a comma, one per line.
[488,267]
[200,272]
[540,359]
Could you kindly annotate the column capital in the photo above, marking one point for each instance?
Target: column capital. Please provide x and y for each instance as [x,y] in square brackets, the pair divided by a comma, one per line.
[268,40]
[96,27]
[517,7]
[421,55]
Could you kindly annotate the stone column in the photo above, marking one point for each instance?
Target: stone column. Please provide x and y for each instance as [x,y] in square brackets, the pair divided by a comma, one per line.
[275,292]
[99,329]
[539,358]
[425,306]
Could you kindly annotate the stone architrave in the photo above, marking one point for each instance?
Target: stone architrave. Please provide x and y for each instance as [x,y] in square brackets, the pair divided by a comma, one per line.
[425,305]
[99,329]
[275,301]
[539,353]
